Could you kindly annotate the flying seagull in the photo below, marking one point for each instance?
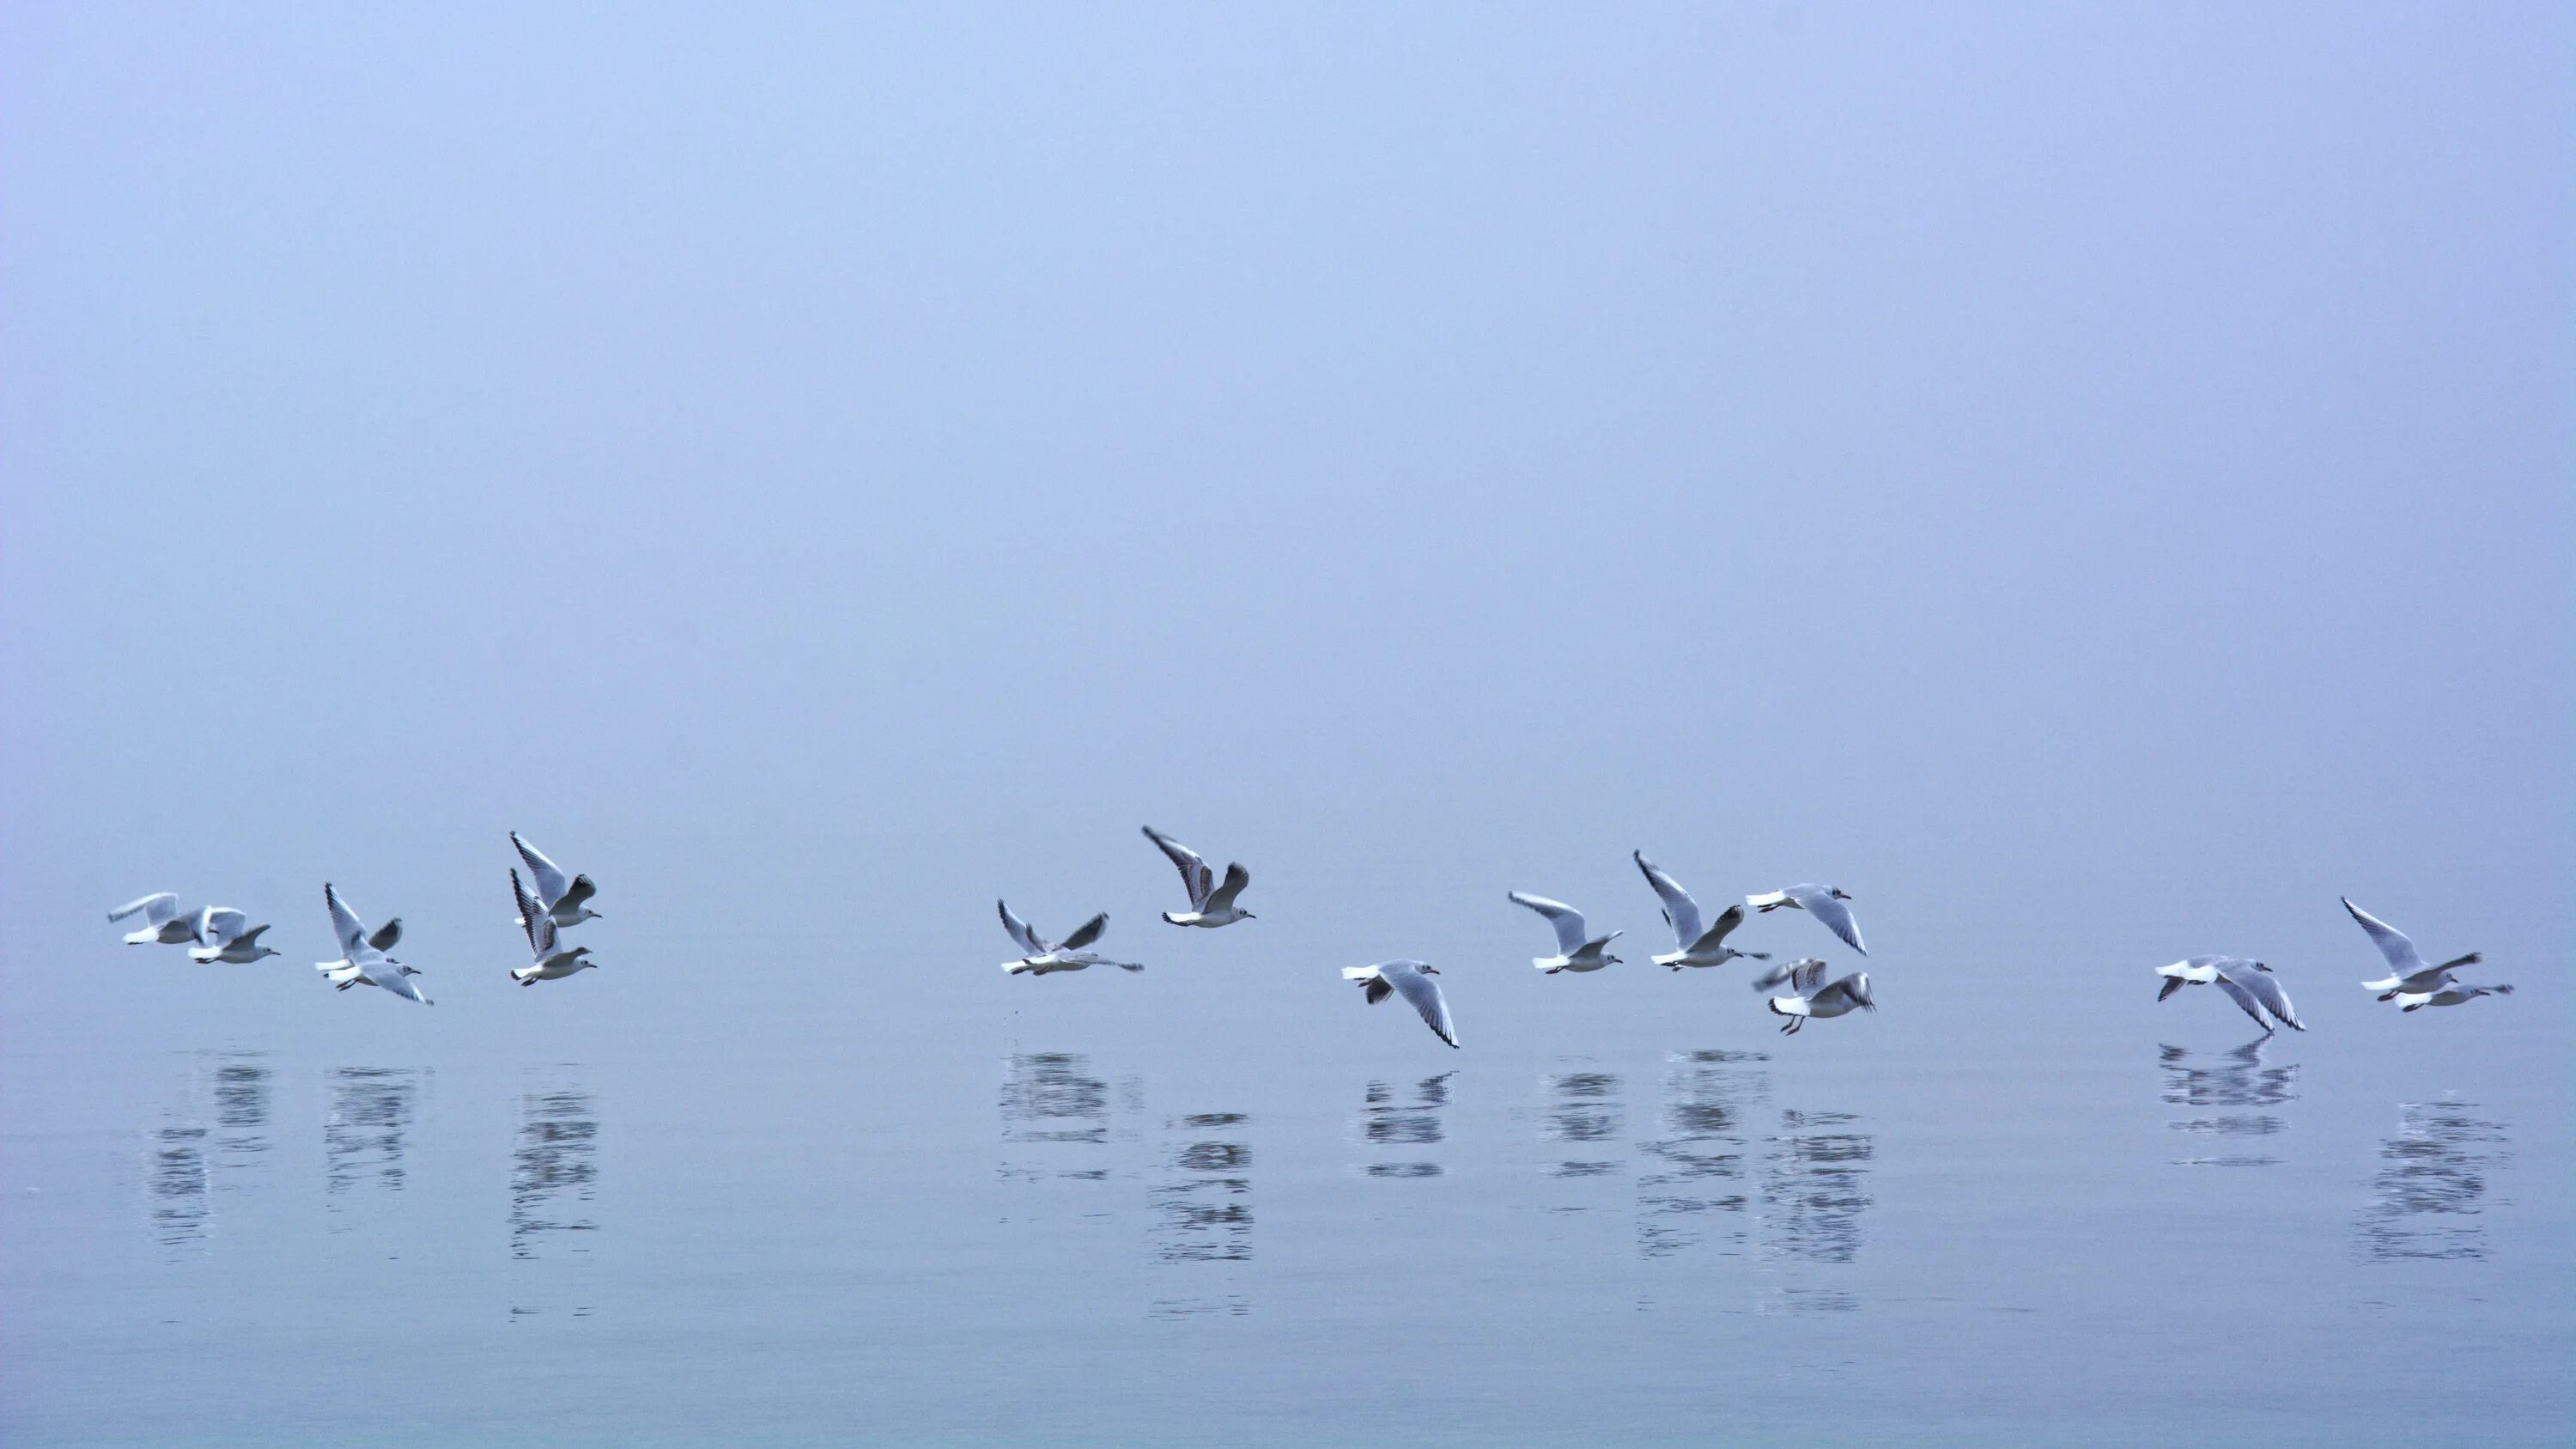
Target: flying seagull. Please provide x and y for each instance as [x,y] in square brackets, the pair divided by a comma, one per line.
[2249,983]
[565,899]
[549,960]
[1576,951]
[1211,904]
[362,960]
[1695,947]
[2407,972]
[229,936]
[1823,902]
[1040,956]
[2449,996]
[163,922]
[1808,998]
[1412,980]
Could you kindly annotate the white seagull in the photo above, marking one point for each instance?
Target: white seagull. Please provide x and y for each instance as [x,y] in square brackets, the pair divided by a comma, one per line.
[1576,951]
[1808,998]
[1823,902]
[1041,956]
[550,961]
[163,922]
[1412,980]
[2249,983]
[1696,947]
[565,899]
[2449,996]
[2407,972]
[229,936]
[363,959]
[1211,904]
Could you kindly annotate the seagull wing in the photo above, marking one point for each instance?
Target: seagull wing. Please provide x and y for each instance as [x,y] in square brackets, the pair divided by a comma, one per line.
[1086,933]
[2392,943]
[344,923]
[1825,906]
[1027,939]
[1195,875]
[156,907]
[1679,908]
[385,935]
[550,880]
[576,895]
[1567,920]
[2243,998]
[529,913]
[1425,995]
[220,926]
[1222,898]
[2264,987]
[1718,930]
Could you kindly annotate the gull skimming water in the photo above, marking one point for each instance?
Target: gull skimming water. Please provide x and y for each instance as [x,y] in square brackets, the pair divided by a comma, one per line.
[1809,999]
[363,957]
[2407,972]
[229,936]
[1040,956]
[1823,902]
[2250,984]
[1576,950]
[549,960]
[1694,946]
[1411,980]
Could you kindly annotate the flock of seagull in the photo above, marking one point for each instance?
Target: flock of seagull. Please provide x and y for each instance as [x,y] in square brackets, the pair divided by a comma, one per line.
[551,902]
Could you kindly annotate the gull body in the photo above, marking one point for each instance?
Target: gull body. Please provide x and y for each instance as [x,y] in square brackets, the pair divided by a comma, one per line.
[1811,996]
[229,936]
[1412,981]
[363,960]
[565,899]
[549,961]
[1823,902]
[2250,984]
[1040,955]
[1576,949]
[164,924]
[2408,973]
[1211,902]
[1694,946]
[2449,996]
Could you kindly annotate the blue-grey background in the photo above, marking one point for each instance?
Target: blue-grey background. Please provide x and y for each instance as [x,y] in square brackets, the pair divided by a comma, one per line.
[2092,482]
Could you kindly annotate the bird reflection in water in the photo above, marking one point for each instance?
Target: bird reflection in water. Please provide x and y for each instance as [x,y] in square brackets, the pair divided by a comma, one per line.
[2431,1185]
[554,1179]
[363,1138]
[1694,1180]
[1051,1100]
[1384,1121]
[2221,1087]
[1814,1190]
[1202,1208]
[189,1163]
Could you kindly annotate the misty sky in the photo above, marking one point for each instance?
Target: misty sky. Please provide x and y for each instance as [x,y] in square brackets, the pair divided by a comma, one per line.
[882,456]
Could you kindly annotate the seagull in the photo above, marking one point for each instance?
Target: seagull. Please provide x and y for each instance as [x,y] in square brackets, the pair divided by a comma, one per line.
[363,959]
[1696,947]
[229,936]
[1811,1000]
[163,923]
[1210,905]
[565,899]
[2250,983]
[1044,956]
[2448,996]
[1578,952]
[1413,980]
[551,961]
[1823,902]
[2407,972]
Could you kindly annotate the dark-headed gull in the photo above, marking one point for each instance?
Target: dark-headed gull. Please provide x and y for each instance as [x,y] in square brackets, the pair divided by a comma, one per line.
[362,960]
[2407,971]
[2250,984]
[164,924]
[1695,946]
[1041,956]
[2450,996]
[564,899]
[1823,902]
[1411,980]
[1576,950]
[1811,996]
[1211,901]
[548,960]
[229,936]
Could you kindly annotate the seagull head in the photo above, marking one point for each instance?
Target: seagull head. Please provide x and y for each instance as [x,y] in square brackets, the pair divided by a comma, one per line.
[1840,894]
[1428,970]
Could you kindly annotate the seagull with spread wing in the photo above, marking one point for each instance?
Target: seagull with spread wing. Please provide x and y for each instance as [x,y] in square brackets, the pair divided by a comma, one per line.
[549,960]
[2407,972]
[229,936]
[2250,984]
[1810,996]
[1823,902]
[1694,946]
[1412,981]
[1040,955]
[1211,902]
[363,959]
[565,899]
[164,924]
[1577,949]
